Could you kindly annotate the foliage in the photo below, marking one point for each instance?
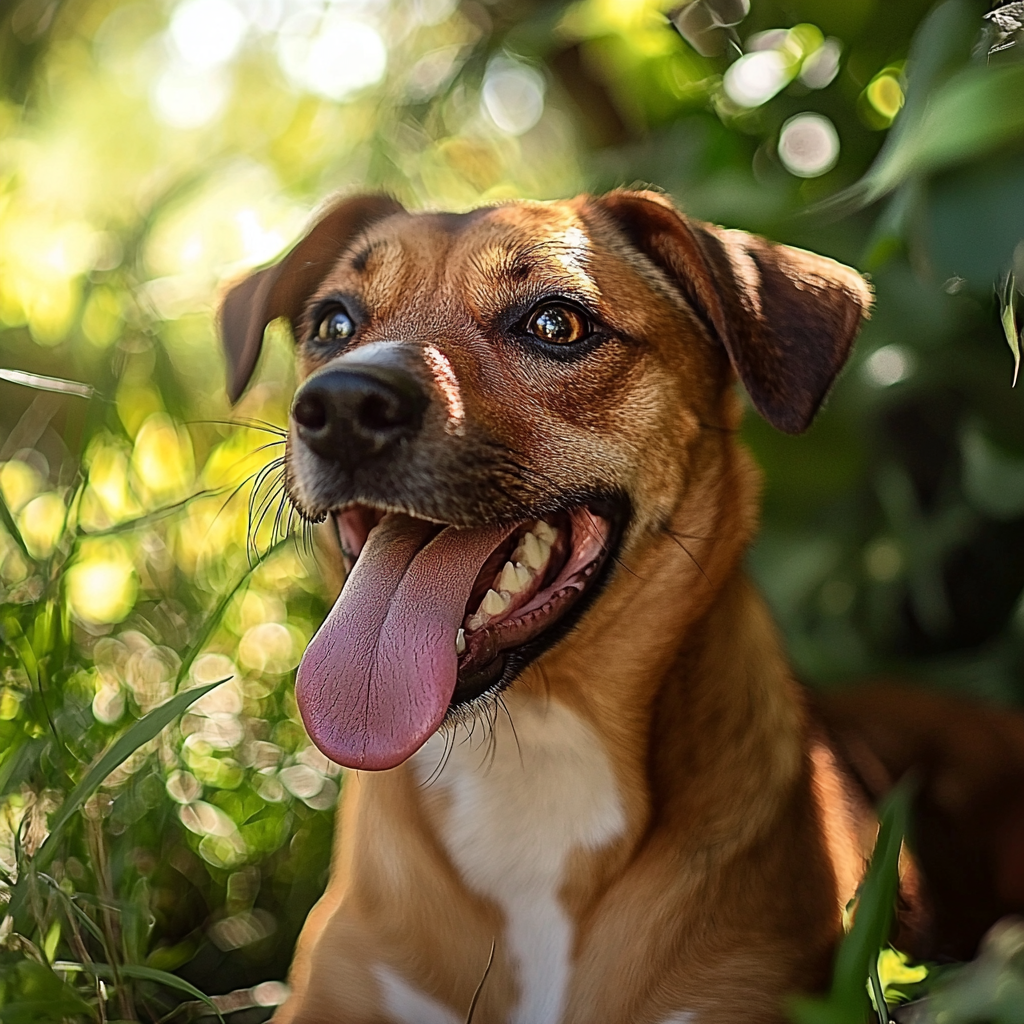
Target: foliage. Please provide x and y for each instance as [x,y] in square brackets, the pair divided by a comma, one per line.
[150,151]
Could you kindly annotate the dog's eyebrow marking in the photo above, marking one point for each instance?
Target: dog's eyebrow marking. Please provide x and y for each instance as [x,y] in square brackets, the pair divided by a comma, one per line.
[361,258]
[448,384]
[565,256]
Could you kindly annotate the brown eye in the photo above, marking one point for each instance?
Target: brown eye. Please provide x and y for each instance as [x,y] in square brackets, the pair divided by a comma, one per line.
[558,325]
[335,325]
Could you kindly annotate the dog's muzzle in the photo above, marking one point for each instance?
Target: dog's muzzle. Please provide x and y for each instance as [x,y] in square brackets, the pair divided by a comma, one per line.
[348,414]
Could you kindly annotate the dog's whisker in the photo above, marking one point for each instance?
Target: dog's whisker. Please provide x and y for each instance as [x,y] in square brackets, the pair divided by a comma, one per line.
[251,424]
[259,525]
[449,746]
[512,726]
[258,477]
[689,536]
[690,555]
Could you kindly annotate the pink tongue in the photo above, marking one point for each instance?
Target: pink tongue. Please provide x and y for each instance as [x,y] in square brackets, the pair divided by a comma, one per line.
[376,680]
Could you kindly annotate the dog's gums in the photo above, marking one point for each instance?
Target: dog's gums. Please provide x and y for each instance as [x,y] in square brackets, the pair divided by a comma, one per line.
[529,582]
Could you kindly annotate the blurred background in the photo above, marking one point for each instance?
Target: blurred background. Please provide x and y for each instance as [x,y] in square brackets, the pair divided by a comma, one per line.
[151,150]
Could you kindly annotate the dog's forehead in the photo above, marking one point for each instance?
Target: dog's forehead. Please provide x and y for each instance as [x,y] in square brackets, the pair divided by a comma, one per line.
[506,238]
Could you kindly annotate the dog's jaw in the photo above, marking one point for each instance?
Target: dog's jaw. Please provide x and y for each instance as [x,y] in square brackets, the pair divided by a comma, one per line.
[436,620]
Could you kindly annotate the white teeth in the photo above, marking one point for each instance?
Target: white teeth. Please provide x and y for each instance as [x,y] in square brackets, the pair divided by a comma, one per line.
[495,603]
[532,552]
[514,578]
[460,642]
[545,532]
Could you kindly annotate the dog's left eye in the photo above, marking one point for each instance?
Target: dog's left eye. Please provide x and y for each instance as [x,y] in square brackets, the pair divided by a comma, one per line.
[335,325]
[558,324]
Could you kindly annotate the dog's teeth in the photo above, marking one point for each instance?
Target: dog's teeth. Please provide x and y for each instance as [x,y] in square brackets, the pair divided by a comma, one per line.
[531,552]
[514,578]
[507,580]
[495,603]
[460,642]
[545,532]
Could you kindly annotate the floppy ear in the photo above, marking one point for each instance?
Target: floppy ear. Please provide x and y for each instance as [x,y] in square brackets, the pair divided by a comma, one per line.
[282,288]
[786,317]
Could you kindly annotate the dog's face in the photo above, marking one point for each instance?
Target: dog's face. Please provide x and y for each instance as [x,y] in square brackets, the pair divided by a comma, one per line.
[494,403]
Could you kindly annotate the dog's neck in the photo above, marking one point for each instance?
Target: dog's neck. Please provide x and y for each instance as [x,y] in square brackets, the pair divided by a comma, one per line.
[681,612]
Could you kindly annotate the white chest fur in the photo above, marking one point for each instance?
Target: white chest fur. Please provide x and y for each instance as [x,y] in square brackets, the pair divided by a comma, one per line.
[518,810]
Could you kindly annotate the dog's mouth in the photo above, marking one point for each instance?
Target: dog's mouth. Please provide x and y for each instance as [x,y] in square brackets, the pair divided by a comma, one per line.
[434,617]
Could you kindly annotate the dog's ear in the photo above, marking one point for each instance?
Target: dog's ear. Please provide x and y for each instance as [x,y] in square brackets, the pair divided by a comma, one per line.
[282,288]
[786,317]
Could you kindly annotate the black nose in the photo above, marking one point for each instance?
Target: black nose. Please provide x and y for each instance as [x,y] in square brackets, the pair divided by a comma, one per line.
[350,414]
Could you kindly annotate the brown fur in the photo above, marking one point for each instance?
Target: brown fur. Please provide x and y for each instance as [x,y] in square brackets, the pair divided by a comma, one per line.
[743,837]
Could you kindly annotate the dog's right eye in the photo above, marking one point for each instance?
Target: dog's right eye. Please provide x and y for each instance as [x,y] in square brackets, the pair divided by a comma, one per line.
[558,324]
[335,325]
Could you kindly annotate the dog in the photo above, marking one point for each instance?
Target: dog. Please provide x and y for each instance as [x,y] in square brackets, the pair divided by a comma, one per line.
[586,785]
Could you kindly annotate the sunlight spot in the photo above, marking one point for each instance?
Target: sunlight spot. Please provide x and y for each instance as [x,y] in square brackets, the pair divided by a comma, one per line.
[258,244]
[332,57]
[885,94]
[101,585]
[270,993]
[889,365]
[185,97]
[19,483]
[207,33]
[268,647]
[108,704]
[808,145]
[448,385]
[821,67]
[41,523]
[162,460]
[183,787]
[512,96]
[756,77]
[883,560]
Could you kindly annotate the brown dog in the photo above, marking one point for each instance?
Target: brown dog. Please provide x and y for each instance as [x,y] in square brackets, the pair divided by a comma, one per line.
[587,747]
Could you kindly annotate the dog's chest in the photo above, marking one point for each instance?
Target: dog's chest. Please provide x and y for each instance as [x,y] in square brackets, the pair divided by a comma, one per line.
[518,807]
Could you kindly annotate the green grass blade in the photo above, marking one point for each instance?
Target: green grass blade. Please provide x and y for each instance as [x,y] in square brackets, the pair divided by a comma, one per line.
[149,518]
[117,753]
[141,973]
[7,519]
[213,620]
[1008,318]
[847,1001]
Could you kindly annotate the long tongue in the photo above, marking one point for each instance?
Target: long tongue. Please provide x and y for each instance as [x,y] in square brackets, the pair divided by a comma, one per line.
[376,680]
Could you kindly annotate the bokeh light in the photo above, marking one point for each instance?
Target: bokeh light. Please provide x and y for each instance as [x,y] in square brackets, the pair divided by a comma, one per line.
[512,96]
[102,584]
[808,145]
[332,55]
[756,77]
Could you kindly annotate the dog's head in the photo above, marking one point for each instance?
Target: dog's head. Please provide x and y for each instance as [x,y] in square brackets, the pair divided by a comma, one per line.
[492,404]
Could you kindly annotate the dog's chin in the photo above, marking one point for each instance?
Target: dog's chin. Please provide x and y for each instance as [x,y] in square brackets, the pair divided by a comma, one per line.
[529,593]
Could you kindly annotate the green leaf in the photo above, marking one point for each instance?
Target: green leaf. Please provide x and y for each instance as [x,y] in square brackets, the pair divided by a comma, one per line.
[157,515]
[143,974]
[12,528]
[1008,319]
[948,118]
[117,753]
[847,1001]
[30,993]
